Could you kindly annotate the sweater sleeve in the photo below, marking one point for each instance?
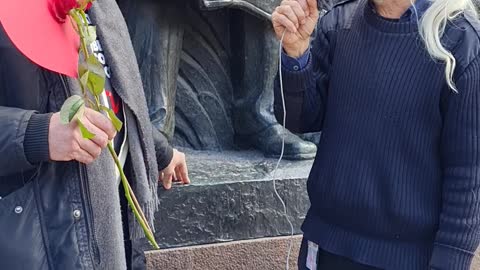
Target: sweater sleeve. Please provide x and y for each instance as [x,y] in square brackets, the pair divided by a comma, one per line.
[294,64]
[458,234]
[305,90]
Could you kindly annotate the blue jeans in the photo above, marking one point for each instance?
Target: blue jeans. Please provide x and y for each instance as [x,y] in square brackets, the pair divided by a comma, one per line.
[329,261]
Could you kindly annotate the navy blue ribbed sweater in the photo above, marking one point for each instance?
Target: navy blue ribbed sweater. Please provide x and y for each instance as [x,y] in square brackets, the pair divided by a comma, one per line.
[396,180]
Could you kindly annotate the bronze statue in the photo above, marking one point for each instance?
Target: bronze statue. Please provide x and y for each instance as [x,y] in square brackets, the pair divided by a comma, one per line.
[208,73]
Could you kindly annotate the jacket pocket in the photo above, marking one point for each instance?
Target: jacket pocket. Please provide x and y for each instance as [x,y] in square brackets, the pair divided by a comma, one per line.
[21,240]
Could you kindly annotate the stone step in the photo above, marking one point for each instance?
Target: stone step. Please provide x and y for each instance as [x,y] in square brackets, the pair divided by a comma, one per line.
[258,254]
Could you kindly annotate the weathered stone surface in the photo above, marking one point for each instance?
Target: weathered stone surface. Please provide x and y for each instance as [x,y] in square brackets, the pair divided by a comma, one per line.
[267,253]
[246,166]
[231,198]
[229,211]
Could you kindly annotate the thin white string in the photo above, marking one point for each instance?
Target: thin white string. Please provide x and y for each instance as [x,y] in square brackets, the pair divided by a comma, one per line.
[274,172]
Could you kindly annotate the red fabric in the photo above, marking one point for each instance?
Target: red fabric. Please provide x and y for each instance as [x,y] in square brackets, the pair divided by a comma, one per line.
[60,8]
[115,104]
[38,35]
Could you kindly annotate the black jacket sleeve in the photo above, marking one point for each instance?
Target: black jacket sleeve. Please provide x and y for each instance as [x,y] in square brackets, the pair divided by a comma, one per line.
[14,124]
[162,148]
[23,117]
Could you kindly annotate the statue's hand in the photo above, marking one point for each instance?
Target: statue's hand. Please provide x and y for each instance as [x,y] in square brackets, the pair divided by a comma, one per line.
[175,171]
[299,18]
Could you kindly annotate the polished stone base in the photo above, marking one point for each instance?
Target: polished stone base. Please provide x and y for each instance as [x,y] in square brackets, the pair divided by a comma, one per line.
[261,254]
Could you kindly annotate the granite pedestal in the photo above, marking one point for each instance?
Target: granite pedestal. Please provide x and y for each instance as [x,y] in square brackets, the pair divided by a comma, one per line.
[231,198]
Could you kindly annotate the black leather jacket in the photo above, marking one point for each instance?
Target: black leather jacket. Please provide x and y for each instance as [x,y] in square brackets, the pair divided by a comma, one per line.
[40,199]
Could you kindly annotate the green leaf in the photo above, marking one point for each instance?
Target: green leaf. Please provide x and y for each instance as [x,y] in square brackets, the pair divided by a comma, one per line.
[84,81]
[95,83]
[93,75]
[86,134]
[82,65]
[115,121]
[91,34]
[95,66]
[90,64]
[70,108]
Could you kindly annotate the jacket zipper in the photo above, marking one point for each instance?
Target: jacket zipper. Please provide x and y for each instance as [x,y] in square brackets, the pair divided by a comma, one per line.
[86,191]
[41,216]
[86,200]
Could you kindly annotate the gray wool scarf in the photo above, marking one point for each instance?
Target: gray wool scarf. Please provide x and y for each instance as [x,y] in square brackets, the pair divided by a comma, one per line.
[113,33]
[126,80]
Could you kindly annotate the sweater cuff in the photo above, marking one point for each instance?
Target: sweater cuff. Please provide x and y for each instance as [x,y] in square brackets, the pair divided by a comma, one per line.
[450,258]
[36,138]
[297,81]
[295,64]
[164,159]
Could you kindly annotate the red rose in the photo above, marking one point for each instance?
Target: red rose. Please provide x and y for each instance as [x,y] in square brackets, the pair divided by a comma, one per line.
[61,8]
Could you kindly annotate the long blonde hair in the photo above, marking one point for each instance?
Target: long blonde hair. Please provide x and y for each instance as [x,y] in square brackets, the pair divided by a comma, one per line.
[432,27]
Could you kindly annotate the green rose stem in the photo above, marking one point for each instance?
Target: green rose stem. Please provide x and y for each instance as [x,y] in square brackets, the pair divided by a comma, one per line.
[132,201]
[91,77]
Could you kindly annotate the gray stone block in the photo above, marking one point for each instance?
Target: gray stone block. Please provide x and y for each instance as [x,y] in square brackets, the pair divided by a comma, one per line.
[231,198]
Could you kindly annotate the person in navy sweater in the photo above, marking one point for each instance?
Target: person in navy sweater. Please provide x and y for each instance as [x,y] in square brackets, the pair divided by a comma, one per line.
[394,86]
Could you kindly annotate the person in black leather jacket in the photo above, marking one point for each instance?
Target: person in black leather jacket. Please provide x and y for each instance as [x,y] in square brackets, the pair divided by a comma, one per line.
[56,212]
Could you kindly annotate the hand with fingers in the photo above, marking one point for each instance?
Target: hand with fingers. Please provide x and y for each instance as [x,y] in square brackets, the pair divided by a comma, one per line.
[176,171]
[298,18]
[66,143]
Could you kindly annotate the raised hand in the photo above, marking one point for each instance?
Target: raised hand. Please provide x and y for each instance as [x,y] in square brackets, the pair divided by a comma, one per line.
[299,18]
